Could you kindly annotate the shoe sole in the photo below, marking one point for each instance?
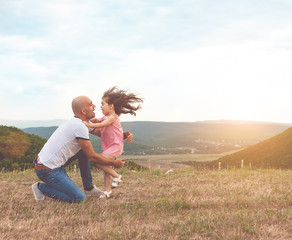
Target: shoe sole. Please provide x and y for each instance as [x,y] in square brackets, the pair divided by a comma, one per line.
[35,195]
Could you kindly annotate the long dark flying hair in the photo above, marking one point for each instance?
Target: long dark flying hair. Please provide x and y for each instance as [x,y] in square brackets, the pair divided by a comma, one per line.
[122,101]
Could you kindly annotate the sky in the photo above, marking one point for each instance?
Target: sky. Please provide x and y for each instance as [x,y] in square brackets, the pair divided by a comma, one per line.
[189,60]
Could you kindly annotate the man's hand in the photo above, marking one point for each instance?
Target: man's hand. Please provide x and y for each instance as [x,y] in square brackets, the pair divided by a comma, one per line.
[118,163]
[87,148]
[95,120]
[128,137]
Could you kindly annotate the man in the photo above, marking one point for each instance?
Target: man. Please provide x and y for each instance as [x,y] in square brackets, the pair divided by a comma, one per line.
[69,142]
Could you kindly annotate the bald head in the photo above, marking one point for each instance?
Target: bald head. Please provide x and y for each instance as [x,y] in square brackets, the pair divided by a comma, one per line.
[79,103]
[83,108]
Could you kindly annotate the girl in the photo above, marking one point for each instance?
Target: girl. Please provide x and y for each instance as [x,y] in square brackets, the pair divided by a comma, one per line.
[114,103]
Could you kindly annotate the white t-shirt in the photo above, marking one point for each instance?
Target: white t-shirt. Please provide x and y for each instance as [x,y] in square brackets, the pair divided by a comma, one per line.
[63,143]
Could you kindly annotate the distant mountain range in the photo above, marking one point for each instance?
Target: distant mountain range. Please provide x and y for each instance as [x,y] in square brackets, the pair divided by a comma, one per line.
[31,123]
[262,145]
[275,152]
[187,137]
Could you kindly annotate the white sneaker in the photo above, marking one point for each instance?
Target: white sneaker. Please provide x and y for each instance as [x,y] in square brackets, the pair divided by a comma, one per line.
[38,196]
[93,192]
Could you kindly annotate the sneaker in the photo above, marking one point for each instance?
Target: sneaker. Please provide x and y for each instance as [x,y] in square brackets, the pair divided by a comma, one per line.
[106,194]
[114,184]
[37,193]
[93,192]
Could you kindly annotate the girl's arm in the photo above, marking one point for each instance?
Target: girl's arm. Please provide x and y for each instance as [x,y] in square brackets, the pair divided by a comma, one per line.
[110,120]
[95,120]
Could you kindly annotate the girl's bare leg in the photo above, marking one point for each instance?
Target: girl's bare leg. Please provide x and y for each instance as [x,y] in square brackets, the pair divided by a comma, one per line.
[109,172]
[106,168]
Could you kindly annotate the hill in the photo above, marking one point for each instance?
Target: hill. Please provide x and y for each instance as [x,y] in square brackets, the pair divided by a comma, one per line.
[186,137]
[275,152]
[134,148]
[44,132]
[167,133]
[18,149]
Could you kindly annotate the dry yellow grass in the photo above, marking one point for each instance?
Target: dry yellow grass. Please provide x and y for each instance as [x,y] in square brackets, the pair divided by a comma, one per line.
[184,204]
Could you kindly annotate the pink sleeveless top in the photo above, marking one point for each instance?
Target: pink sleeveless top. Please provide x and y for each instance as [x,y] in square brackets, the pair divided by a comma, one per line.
[112,138]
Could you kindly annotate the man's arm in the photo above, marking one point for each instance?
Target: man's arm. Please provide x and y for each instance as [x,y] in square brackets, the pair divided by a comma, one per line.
[87,148]
[96,132]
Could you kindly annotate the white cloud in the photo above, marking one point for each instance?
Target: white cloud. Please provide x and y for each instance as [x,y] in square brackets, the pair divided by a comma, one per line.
[189,60]
[21,43]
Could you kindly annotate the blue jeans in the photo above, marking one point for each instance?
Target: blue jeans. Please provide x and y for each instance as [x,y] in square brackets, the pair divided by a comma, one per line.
[58,185]
[84,166]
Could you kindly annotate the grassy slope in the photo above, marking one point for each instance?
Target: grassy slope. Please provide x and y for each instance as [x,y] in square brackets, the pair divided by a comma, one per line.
[185,204]
[275,152]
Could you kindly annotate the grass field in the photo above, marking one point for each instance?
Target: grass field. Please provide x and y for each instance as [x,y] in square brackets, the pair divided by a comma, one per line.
[184,204]
[178,157]
[174,161]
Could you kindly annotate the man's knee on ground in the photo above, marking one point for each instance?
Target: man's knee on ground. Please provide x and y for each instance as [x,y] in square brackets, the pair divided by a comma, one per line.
[79,198]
